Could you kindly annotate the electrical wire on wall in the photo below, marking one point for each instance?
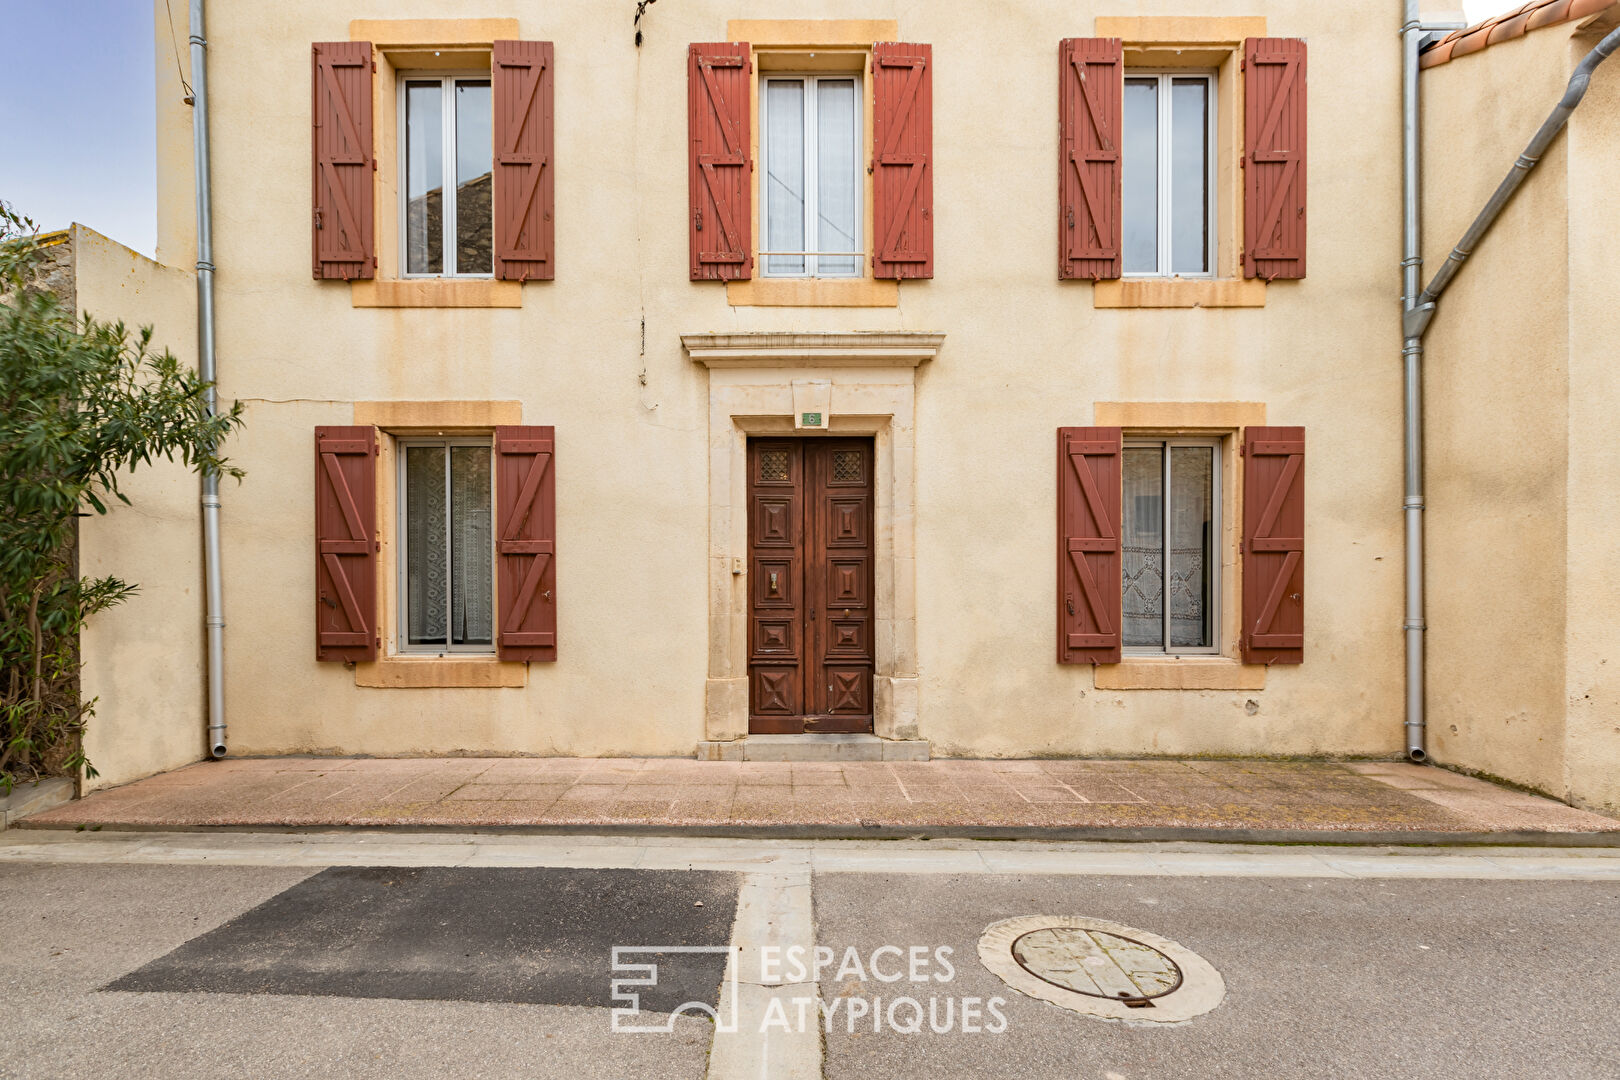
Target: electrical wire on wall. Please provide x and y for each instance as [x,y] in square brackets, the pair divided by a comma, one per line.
[641,273]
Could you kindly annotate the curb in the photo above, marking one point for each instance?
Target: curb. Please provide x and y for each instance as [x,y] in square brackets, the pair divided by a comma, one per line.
[1609,838]
[33,797]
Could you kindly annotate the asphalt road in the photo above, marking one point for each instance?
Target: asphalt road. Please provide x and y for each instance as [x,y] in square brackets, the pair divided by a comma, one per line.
[233,969]
[1456,979]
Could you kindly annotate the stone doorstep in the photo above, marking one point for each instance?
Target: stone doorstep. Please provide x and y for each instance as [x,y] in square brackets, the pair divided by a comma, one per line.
[31,798]
[814,747]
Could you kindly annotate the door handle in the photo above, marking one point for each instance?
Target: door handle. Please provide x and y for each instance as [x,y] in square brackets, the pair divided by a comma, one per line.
[773,581]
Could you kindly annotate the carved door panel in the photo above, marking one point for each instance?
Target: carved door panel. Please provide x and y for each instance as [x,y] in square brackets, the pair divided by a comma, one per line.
[810,627]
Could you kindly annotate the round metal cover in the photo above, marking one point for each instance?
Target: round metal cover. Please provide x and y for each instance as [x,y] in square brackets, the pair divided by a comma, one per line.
[1097,963]
[1101,969]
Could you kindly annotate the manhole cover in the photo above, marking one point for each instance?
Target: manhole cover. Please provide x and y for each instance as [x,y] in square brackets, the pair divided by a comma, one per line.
[1101,969]
[1097,963]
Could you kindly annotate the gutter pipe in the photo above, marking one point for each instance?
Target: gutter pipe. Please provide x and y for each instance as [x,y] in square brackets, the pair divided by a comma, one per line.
[213,585]
[1418,309]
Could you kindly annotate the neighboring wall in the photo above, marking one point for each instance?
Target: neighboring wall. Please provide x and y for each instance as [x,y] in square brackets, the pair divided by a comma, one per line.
[597,353]
[1519,393]
[1592,663]
[143,659]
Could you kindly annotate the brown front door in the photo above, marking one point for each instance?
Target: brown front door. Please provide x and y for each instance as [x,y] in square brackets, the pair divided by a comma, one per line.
[810,654]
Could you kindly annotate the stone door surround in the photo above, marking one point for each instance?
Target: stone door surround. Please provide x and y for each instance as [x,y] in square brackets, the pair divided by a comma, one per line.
[807,384]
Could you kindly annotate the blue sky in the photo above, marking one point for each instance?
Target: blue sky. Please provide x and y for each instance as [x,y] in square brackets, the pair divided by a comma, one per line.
[80,111]
[80,114]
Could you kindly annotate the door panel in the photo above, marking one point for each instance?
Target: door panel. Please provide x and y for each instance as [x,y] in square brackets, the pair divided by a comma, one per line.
[810,587]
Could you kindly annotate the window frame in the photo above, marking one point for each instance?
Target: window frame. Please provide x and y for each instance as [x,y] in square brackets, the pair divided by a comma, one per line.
[1166,211]
[447,85]
[812,190]
[1217,447]
[402,533]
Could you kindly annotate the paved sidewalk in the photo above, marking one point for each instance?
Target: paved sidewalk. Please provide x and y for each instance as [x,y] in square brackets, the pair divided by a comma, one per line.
[1370,801]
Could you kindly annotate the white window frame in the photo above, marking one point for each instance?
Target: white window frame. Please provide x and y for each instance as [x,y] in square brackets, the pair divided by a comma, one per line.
[1216,446]
[1166,203]
[447,181]
[402,531]
[812,193]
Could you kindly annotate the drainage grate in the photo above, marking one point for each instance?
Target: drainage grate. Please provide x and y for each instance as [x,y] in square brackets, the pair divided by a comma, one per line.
[1098,964]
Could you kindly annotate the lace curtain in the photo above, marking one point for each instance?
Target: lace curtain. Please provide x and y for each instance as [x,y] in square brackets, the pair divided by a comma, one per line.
[449,546]
[1144,578]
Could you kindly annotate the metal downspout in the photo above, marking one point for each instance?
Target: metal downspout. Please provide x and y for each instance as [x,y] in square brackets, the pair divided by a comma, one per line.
[1419,309]
[1412,363]
[213,585]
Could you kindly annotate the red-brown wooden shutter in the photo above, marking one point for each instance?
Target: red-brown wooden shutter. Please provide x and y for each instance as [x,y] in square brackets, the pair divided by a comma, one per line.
[1091,100]
[521,72]
[902,160]
[345,543]
[526,544]
[1273,158]
[1089,494]
[718,103]
[1274,545]
[344,221]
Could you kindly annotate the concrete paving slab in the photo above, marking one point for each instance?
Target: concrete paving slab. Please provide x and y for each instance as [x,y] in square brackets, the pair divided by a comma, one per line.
[1158,799]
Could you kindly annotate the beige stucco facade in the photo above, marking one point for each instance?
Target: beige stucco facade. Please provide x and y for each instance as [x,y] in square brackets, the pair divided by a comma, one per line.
[649,429]
[1523,472]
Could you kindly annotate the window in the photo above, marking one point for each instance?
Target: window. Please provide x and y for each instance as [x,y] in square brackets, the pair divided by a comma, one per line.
[446,210]
[811,205]
[1168,174]
[1171,543]
[447,546]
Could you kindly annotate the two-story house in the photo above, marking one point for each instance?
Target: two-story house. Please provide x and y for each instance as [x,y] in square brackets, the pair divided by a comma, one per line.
[966,379]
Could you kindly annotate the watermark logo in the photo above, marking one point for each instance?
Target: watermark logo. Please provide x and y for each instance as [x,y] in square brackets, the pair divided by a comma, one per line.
[631,979]
[911,980]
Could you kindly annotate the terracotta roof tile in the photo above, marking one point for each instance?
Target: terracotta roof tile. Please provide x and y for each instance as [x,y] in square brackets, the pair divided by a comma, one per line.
[1509,25]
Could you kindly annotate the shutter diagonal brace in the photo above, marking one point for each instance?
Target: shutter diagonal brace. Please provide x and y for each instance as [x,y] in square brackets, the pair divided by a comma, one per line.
[512,544]
[1107,152]
[356,541]
[733,157]
[889,250]
[1108,541]
[534,165]
[1262,541]
[1288,158]
[329,161]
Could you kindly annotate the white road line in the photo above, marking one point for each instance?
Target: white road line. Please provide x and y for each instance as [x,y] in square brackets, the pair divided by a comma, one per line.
[773,912]
[771,857]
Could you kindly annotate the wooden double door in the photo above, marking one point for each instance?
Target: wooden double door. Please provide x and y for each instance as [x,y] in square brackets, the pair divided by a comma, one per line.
[810,619]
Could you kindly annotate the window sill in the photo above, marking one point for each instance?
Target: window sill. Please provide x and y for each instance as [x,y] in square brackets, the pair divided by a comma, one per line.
[1179,293]
[813,292]
[1180,673]
[410,672]
[436,293]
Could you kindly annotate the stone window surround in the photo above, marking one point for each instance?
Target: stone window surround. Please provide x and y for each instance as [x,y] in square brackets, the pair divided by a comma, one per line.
[393,669]
[1226,670]
[825,45]
[1202,42]
[862,384]
[419,44]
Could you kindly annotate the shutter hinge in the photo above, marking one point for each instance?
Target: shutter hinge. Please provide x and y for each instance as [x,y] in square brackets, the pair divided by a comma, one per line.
[374,67]
[373,164]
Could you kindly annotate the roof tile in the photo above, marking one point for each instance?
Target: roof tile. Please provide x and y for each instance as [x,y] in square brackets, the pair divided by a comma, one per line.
[1508,25]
